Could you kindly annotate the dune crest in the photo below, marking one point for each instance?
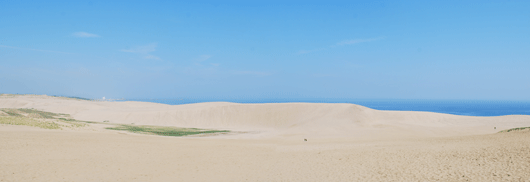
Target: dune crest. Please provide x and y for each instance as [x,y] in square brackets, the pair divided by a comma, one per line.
[276,119]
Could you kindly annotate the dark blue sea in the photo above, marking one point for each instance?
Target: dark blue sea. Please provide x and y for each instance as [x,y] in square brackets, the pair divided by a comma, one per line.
[458,107]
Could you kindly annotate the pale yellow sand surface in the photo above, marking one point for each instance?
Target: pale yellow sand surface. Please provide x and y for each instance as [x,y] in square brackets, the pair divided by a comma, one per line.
[346,142]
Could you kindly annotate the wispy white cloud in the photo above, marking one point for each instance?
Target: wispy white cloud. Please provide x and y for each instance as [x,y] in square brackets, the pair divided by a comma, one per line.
[202,58]
[324,75]
[145,51]
[342,43]
[356,41]
[256,73]
[151,57]
[309,51]
[84,34]
[39,50]
[198,61]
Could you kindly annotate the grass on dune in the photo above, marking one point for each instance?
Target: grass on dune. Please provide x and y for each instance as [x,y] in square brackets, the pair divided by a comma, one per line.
[66,120]
[64,97]
[514,129]
[165,131]
[42,114]
[36,118]
[32,113]
[11,112]
[49,120]
[79,98]
[13,120]
[75,123]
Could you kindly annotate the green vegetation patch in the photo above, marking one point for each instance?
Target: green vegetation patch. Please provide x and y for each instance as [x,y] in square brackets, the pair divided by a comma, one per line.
[514,129]
[42,114]
[166,131]
[76,98]
[12,112]
[10,120]
[79,98]
[7,95]
[64,97]
[41,119]
[49,120]
[66,120]
[32,113]
[74,123]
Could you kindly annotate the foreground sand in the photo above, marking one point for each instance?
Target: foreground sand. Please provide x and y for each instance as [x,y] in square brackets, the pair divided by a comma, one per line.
[29,154]
[345,143]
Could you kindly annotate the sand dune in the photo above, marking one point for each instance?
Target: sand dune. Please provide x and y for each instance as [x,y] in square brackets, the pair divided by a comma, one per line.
[276,119]
[346,143]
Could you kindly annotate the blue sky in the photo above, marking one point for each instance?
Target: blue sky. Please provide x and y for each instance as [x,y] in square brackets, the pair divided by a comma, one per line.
[267,49]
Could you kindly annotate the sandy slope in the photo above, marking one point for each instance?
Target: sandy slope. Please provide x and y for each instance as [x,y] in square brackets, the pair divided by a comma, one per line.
[345,143]
[287,119]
